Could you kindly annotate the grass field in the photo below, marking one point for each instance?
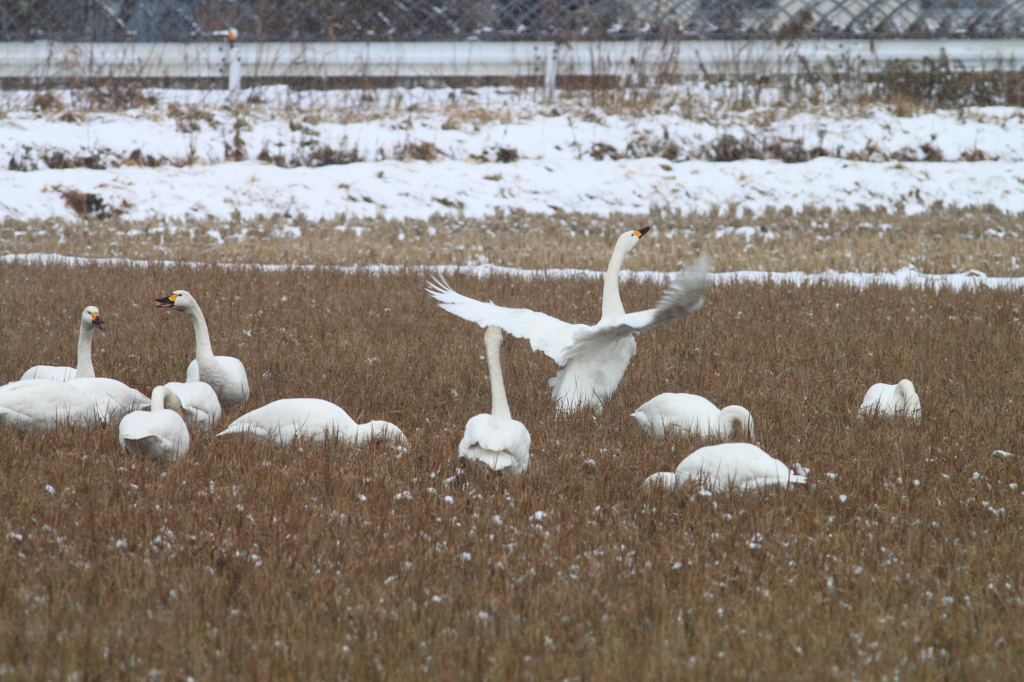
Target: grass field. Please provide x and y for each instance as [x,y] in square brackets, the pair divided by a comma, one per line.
[902,558]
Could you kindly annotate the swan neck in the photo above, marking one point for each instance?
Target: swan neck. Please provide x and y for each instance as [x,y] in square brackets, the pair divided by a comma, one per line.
[85,368]
[204,349]
[611,303]
[499,401]
[732,416]
[156,401]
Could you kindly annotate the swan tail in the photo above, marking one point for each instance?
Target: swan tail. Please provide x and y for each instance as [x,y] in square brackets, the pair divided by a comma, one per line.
[495,460]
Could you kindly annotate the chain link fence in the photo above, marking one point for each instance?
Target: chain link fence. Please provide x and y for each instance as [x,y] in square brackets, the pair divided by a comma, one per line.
[447,20]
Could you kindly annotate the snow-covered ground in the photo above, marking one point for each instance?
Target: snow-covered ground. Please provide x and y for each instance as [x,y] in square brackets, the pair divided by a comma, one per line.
[907,277]
[414,153]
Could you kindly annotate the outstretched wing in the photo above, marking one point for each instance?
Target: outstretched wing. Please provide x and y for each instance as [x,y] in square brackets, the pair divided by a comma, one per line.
[545,333]
[682,297]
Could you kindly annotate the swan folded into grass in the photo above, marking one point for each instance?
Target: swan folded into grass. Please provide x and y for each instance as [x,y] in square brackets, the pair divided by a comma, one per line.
[90,320]
[736,466]
[225,374]
[663,480]
[892,400]
[282,421]
[199,403]
[496,439]
[686,414]
[159,434]
[594,357]
[42,405]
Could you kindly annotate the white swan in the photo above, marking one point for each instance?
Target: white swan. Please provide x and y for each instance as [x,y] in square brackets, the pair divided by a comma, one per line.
[496,439]
[199,403]
[43,405]
[892,400]
[157,435]
[90,320]
[282,421]
[739,466]
[225,374]
[594,357]
[686,413]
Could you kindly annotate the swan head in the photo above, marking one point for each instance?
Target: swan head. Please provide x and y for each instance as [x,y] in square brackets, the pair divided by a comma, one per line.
[177,300]
[627,240]
[911,401]
[91,316]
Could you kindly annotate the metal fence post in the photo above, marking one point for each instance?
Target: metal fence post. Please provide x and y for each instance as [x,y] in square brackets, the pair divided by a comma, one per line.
[550,73]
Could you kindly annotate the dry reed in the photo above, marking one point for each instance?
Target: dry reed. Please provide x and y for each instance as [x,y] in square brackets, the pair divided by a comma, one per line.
[248,562]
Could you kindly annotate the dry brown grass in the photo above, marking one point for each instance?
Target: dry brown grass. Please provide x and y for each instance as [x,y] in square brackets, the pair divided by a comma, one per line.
[941,241]
[248,562]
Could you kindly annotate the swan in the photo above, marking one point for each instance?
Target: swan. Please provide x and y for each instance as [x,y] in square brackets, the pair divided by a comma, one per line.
[686,413]
[739,466]
[199,403]
[282,421]
[496,439]
[42,405]
[157,435]
[892,400]
[594,357]
[225,374]
[90,320]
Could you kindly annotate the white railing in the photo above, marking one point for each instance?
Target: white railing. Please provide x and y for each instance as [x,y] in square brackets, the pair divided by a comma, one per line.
[54,61]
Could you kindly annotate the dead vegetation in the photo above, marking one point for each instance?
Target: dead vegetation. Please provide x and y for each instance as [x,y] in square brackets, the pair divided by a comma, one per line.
[902,558]
[939,241]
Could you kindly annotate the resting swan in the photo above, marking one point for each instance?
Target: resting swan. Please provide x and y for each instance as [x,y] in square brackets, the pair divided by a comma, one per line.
[282,421]
[199,403]
[158,435]
[594,358]
[40,405]
[225,374]
[892,400]
[496,439]
[43,405]
[686,413]
[737,466]
[90,320]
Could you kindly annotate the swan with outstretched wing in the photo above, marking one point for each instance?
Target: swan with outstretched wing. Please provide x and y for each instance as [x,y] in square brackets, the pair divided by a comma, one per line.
[593,357]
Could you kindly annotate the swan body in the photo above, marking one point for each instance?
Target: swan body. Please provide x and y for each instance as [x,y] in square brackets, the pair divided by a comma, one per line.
[892,400]
[199,403]
[496,439]
[691,414]
[282,421]
[593,357]
[739,466]
[90,320]
[157,435]
[225,374]
[42,405]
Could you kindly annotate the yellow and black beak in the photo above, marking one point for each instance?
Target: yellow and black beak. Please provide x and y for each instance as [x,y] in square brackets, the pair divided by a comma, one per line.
[97,321]
[166,301]
[641,232]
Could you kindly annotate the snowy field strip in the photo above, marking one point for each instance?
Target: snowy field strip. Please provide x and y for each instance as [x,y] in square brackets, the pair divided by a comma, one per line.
[903,278]
[418,189]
